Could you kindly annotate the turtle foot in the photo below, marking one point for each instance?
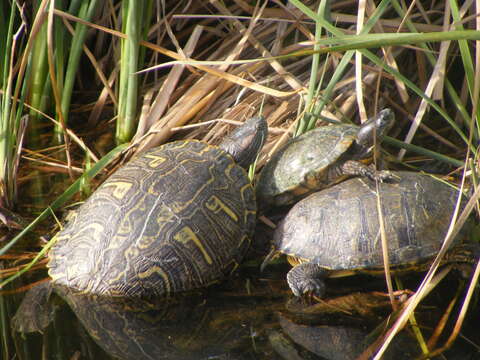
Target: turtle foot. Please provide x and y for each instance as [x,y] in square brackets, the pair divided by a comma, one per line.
[356,168]
[306,279]
[35,311]
[384,175]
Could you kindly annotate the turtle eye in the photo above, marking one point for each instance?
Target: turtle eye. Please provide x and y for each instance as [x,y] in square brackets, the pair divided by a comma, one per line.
[310,177]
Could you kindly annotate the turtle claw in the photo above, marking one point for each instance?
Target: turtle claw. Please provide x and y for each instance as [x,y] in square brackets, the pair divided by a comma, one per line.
[385,175]
[356,168]
[308,286]
[306,279]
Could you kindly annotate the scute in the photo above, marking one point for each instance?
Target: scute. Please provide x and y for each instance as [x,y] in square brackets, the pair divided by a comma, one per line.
[338,228]
[176,218]
[306,155]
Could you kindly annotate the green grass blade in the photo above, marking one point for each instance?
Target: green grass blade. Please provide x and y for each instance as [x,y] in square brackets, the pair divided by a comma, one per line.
[451,90]
[67,194]
[8,126]
[342,66]
[128,94]
[467,60]
[422,151]
[304,124]
[86,12]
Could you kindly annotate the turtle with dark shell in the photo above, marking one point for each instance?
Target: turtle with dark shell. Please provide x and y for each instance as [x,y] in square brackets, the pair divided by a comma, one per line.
[176,218]
[336,232]
[322,157]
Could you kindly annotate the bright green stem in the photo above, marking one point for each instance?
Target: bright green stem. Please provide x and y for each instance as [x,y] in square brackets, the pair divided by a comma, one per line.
[8,129]
[86,12]
[39,72]
[304,124]
[127,112]
[342,66]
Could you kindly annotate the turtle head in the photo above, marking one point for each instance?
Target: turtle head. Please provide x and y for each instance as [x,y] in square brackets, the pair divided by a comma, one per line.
[245,142]
[373,129]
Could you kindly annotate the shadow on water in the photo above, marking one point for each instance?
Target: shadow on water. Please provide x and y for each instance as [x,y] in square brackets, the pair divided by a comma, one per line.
[234,320]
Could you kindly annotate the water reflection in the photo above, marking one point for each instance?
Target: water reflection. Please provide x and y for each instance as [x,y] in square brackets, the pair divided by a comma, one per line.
[340,342]
[231,321]
[193,326]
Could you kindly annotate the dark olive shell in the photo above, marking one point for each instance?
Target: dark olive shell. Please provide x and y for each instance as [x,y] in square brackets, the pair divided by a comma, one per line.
[302,160]
[176,218]
[338,228]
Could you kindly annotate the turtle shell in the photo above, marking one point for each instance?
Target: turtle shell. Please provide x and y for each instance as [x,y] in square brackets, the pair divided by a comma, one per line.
[338,228]
[176,218]
[300,166]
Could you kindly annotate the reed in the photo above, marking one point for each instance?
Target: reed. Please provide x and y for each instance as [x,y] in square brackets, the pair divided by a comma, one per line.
[82,79]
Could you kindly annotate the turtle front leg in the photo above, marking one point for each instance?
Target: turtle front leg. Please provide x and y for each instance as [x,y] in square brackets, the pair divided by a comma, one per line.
[353,167]
[36,311]
[307,277]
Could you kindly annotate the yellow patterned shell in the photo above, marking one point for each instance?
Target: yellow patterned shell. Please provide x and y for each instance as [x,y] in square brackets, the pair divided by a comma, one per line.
[178,217]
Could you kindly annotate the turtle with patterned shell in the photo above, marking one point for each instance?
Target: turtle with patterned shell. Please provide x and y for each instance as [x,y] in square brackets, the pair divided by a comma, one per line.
[322,157]
[176,218]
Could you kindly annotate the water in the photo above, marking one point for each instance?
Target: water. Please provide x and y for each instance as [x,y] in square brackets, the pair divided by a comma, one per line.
[251,316]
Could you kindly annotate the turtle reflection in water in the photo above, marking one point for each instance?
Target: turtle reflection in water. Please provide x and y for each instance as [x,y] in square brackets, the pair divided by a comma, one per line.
[189,326]
[176,218]
[336,232]
[343,342]
[320,158]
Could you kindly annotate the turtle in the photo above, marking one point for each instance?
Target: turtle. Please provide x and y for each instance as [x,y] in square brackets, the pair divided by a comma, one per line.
[176,218]
[321,157]
[336,232]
